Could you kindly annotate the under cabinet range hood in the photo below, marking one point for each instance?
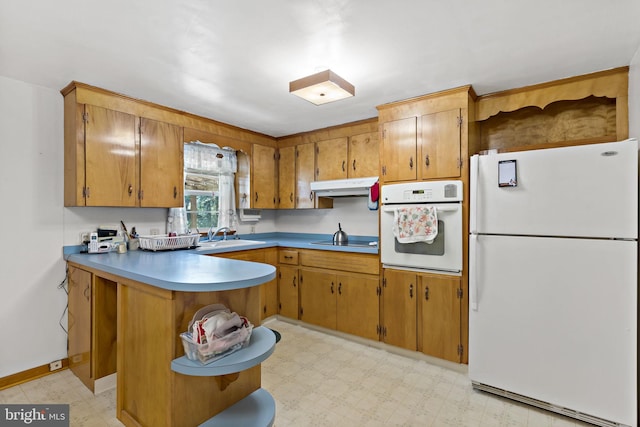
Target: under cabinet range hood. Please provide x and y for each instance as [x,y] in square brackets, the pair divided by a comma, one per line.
[343,187]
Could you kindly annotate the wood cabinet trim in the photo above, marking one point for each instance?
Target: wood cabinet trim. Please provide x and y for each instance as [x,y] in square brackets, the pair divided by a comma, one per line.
[108,99]
[340,261]
[426,104]
[343,130]
[610,83]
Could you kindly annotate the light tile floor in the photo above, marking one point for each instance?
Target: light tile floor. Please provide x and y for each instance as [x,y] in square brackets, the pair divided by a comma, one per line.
[322,380]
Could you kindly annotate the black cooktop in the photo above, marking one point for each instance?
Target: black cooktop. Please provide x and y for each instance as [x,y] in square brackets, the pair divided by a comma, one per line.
[353,243]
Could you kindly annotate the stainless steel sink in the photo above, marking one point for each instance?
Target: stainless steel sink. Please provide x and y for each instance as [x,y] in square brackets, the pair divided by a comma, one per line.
[219,244]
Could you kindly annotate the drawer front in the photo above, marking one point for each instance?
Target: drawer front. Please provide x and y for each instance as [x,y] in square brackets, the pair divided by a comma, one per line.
[357,263]
[288,257]
[255,255]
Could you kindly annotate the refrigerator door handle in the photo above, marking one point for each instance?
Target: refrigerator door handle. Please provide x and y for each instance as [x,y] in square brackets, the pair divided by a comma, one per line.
[473,272]
[473,192]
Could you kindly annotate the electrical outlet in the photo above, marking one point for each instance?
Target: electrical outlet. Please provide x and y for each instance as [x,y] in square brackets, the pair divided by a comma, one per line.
[253,229]
[84,237]
[55,365]
[155,231]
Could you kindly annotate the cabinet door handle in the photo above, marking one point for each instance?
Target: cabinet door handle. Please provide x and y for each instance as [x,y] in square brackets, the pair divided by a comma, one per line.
[288,257]
[354,164]
[332,287]
[175,192]
[411,290]
[130,189]
[294,281]
[256,196]
[339,288]
[311,196]
[87,293]
[291,197]
[426,160]
[411,162]
[344,163]
[426,293]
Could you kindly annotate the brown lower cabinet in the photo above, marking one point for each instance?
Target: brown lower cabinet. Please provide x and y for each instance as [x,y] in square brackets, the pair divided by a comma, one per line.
[399,309]
[91,326]
[335,290]
[422,312]
[288,304]
[357,304]
[318,297]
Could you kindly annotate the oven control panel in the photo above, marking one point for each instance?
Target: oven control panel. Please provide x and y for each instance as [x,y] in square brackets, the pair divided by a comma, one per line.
[424,195]
[421,192]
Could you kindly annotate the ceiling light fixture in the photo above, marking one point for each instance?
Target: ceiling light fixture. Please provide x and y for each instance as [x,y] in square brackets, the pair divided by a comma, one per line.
[321,88]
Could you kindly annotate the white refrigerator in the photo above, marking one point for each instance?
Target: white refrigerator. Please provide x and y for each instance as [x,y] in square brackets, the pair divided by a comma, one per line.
[553,279]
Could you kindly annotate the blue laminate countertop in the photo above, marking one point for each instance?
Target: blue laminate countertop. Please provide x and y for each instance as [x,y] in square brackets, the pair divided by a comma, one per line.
[179,270]
[192,271]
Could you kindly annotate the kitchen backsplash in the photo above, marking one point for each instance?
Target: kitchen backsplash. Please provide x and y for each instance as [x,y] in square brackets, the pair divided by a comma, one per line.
[351,212]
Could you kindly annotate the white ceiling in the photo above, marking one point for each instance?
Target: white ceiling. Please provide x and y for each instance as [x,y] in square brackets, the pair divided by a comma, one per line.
[232,60]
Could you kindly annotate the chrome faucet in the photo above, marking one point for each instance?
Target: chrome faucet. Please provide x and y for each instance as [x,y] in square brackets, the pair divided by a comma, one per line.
[212,233]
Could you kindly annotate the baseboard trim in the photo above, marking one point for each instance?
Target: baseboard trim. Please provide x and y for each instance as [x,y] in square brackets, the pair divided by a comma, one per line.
[30,374]
[105,383]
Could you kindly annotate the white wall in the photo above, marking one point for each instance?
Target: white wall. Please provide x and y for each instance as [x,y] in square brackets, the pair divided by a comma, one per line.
[351,212]
[634,96]
[31,134]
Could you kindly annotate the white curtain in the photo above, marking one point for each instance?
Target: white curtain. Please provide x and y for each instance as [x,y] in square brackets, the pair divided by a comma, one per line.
[227,202]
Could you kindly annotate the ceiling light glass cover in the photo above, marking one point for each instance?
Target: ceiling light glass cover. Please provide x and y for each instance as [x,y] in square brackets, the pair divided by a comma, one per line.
[321,88]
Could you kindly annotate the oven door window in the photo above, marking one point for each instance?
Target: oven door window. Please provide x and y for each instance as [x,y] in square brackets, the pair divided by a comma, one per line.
[435,248]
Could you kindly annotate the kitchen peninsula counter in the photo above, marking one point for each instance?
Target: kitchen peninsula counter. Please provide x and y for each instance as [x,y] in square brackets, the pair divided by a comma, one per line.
[132,307]
[178,270]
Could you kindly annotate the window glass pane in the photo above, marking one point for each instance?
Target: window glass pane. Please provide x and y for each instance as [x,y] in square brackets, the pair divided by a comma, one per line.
[202,211]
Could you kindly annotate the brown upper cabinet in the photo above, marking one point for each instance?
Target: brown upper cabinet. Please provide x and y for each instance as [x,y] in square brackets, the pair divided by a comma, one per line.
[364,155]
[347,157]
[426,137]
[287,177]
[117,159]
[107,174]
[161,164]
[305,161]
[331,159]
[263,177]
[296,167]
[121,151]
[439,144]
[399,150]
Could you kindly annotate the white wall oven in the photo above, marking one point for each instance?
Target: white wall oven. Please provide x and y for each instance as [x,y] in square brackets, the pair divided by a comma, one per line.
[406,243]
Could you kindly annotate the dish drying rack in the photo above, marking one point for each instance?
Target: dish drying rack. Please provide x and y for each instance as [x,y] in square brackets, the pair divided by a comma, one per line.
[166,243]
